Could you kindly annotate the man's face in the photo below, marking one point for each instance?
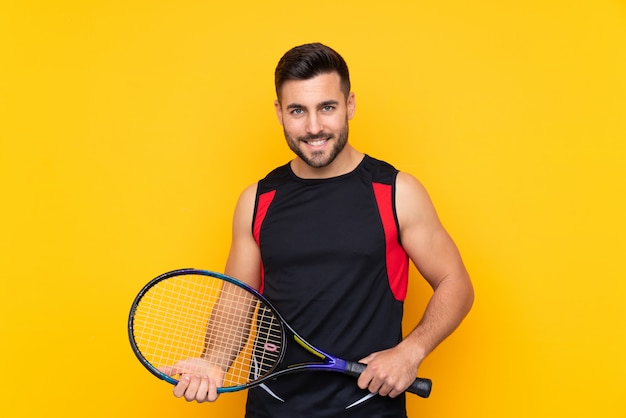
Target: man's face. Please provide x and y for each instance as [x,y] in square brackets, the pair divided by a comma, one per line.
[314,114]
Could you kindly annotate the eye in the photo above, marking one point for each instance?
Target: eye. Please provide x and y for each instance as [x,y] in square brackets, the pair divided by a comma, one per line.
[297,111]
[328,108]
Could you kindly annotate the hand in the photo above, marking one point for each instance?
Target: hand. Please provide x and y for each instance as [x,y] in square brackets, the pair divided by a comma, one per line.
[199,379]
[389,372]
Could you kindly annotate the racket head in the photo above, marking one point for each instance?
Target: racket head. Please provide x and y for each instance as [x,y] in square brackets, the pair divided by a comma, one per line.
[170,321]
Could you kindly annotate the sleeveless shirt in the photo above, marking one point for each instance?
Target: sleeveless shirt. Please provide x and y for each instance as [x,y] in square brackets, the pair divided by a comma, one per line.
[334,267]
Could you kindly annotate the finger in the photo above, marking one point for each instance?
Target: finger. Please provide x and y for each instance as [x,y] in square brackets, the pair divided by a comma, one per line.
[388,388]
[377,383]
[181,386]
[375,386]
[365,379]
[171,370]
[394,393]
[384,390]
[212,391]
[191,394]
[203,389]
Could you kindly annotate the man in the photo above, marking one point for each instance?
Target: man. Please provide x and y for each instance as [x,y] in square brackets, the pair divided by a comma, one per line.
[327,239]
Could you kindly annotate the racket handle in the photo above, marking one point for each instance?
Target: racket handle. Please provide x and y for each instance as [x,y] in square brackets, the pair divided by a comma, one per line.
[421,386]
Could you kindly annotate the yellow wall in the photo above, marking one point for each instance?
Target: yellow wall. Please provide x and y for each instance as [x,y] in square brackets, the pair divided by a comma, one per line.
[128,129]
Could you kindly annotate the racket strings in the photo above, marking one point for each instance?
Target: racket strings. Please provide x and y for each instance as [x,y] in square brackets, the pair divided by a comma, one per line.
[202,317]
[268,342]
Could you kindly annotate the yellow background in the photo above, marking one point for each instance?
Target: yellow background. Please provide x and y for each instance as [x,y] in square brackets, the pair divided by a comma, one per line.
[128,129]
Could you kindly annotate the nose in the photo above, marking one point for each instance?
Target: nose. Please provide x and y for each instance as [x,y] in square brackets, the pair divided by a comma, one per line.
[313,124]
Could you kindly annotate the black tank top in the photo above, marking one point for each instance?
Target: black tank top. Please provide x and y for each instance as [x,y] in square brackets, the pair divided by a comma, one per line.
[334,267]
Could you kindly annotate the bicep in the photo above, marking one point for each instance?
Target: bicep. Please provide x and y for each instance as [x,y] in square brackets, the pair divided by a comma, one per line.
[244,257]
[424,238]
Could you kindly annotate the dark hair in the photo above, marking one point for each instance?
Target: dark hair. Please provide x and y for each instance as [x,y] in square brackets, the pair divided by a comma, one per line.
[309,60]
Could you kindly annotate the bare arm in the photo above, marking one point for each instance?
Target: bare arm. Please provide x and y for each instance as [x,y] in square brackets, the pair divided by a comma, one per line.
[244,258]
[437,258]
[229,326]
[202,376]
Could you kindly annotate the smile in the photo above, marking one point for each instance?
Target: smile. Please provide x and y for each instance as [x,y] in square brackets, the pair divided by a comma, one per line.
[317,140]
[317,143]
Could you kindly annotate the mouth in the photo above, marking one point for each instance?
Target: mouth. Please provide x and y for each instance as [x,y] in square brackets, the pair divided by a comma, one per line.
[317,140]
[317,143]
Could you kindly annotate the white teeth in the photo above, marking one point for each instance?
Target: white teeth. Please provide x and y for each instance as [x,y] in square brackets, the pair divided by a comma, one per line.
[317,143]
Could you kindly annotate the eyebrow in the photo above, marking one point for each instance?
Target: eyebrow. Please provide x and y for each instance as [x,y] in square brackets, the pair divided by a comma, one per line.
[328,103]
[321,104]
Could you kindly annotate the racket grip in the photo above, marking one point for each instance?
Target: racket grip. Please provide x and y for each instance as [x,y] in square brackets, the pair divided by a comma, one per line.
[421,386]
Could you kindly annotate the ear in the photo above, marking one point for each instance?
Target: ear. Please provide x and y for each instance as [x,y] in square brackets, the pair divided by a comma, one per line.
[351,105]
[279,111]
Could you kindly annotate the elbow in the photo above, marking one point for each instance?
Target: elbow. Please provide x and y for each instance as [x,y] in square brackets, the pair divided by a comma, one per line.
[469,296]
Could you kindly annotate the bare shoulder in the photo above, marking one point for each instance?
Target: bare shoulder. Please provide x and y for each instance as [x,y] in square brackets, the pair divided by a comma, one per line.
[408,184]
[244,257]
[244,211]
[245,203]
[248,195]
[424,238]
[413,204]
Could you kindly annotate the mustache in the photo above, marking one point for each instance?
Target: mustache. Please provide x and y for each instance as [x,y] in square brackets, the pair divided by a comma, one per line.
[313,137]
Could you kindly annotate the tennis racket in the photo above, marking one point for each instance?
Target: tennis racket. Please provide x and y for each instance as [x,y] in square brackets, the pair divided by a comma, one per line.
[188,313]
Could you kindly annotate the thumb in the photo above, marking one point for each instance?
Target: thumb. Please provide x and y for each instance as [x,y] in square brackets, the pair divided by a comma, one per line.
[368,359]
[169,370]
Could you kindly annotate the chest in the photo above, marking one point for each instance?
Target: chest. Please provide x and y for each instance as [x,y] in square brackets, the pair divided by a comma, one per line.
[306,224]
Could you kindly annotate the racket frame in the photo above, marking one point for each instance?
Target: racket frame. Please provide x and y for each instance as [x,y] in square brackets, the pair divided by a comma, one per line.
[191,271]
[421,386]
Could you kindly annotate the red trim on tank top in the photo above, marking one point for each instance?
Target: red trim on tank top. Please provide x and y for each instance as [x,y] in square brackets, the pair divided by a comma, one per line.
[396,257]
[265,200]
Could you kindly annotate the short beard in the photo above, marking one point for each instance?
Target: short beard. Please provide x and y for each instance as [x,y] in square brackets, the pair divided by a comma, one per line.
[318,159]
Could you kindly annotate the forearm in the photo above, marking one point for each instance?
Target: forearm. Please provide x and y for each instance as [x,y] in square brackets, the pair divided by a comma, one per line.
[221,348]
[229,326]
[448,306]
